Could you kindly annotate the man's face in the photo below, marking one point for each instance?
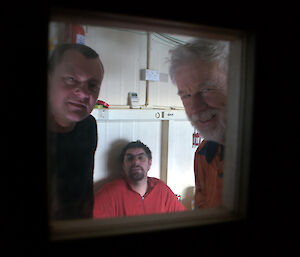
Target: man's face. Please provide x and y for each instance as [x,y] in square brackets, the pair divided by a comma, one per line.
[136,164]
[203,91]
[74,87]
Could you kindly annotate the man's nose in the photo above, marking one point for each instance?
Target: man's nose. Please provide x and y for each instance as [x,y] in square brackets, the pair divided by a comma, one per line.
[82,90]
[135,160]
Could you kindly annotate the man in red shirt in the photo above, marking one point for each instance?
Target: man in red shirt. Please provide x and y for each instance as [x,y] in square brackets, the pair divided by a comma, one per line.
[135,193]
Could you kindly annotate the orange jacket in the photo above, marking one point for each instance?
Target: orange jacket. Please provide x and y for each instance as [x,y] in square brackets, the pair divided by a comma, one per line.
[208,169]
[117,199]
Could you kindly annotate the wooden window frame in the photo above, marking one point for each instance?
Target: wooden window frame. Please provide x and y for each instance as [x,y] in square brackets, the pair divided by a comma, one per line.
[238,135]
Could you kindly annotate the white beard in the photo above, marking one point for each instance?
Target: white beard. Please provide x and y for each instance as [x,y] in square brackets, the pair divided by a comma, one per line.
[216,134]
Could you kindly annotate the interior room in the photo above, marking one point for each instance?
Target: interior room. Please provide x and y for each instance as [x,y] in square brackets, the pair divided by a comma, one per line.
[252,227]
[157,119]
[138,101]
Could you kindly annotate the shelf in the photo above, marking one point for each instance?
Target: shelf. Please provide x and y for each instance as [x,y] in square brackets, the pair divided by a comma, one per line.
[138,114]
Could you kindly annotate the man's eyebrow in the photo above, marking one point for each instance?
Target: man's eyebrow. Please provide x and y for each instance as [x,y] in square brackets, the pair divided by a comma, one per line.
[135,154]
[94,80]
[206,83]
[76,73]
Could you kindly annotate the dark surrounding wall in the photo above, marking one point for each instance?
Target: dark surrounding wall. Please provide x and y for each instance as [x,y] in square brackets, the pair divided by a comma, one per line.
[270,223]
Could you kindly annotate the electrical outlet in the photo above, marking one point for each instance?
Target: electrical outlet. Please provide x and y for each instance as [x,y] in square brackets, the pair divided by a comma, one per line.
[147,74]
[152,75]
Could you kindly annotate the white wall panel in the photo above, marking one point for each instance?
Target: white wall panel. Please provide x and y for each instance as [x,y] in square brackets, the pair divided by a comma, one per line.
[123,54]
[162,93]
[181,160]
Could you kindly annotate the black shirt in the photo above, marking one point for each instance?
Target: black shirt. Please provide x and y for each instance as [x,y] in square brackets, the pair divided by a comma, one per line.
[71,165]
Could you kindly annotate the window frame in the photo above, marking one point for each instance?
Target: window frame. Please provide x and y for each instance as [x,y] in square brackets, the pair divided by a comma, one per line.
[238,135]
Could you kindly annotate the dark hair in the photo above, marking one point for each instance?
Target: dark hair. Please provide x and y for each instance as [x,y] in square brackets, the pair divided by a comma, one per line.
[59,51]
[136,144]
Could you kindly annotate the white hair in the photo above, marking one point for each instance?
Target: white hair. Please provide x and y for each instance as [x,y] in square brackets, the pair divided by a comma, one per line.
[204,49]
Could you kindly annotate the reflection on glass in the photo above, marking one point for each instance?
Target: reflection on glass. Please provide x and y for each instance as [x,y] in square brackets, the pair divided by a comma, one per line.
[86,140]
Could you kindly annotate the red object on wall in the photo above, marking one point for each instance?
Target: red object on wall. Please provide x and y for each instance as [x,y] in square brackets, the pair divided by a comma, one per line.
[104,104]
[196,139]
[74,33]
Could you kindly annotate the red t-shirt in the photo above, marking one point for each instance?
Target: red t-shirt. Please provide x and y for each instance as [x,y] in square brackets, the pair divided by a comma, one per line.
[117,199]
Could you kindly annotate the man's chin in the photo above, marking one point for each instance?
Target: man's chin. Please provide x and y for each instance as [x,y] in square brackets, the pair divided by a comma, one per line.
[76,117]
[136,177]
[212,134]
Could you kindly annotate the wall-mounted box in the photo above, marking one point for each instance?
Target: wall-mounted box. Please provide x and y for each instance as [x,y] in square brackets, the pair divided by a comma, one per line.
[152,75]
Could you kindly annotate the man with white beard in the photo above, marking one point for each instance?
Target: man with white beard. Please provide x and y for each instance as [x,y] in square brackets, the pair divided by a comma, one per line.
[199,69]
